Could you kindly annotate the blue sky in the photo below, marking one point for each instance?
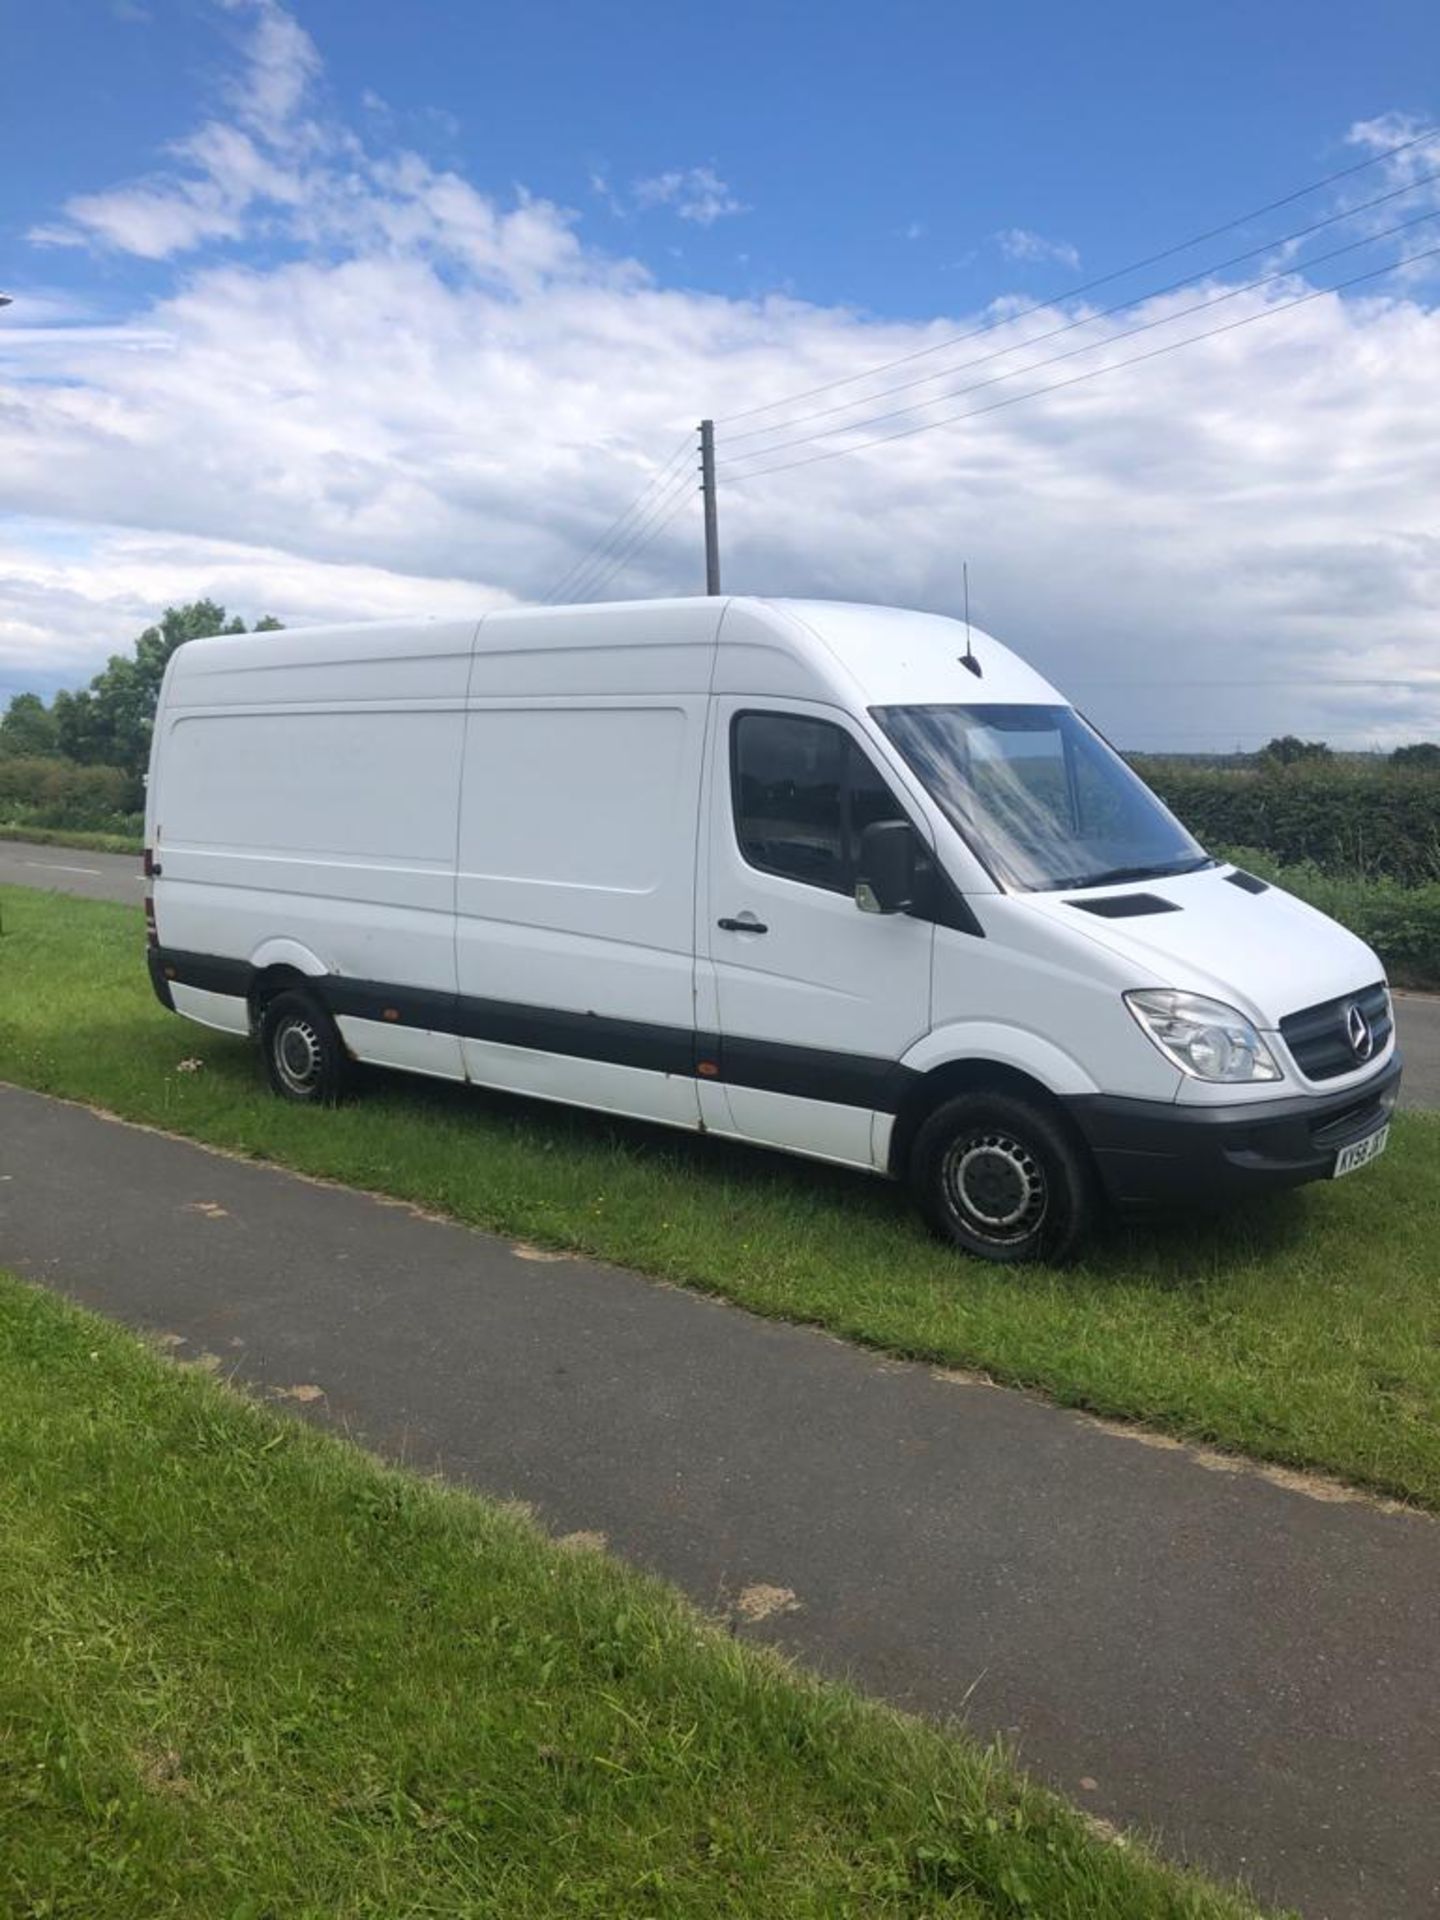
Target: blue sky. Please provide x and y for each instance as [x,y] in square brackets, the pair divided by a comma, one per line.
[877,155]
[339,307]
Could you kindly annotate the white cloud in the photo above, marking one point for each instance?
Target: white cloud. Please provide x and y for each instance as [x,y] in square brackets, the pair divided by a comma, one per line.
[67,601]
[282,63]
[1019,243]
[427,397]
[694,193]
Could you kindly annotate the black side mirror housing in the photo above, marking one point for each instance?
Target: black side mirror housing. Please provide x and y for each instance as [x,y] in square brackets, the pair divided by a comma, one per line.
[889,856]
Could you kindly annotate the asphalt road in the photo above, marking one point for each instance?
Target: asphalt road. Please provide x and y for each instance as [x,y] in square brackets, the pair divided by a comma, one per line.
[110,876]
[1243,1666]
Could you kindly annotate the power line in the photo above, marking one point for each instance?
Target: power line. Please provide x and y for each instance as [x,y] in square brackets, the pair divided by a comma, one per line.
[570,580]
[1087,319]
[1088,286]
[1092,346]
[1095,373]
[649,529]
[618,530]
[638,548]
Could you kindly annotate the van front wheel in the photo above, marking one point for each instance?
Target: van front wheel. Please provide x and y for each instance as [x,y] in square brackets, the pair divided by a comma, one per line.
[305,1058]
[1001,1178]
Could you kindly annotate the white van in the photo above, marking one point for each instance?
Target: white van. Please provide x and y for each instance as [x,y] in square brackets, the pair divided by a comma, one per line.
[838,879]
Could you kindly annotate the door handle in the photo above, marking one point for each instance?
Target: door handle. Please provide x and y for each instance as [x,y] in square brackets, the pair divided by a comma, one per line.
[746,924]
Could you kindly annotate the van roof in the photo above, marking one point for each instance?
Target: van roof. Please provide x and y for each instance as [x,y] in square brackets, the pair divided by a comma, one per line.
[825,649]
[844,652]
[895,656]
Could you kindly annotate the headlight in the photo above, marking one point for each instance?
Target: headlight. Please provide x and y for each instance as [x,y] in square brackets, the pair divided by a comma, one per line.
[1204,1038]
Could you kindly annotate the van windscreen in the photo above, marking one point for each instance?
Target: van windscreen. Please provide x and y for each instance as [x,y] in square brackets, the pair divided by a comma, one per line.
[1040,796]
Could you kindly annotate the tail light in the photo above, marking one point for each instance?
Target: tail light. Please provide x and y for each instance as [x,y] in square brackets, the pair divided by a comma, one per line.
[147,863]
[149,869]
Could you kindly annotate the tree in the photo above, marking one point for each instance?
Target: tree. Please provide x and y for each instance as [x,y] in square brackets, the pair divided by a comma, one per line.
[1424,756]
[109,724]
[1288,751]
[27,729]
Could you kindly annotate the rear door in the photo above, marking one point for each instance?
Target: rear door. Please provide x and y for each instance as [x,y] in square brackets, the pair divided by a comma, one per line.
[816,1001]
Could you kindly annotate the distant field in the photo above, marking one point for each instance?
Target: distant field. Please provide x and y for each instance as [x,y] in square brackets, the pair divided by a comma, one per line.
[1304,1330]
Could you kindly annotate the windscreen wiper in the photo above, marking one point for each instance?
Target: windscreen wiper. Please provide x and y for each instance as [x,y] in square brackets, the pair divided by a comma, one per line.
[1113,876]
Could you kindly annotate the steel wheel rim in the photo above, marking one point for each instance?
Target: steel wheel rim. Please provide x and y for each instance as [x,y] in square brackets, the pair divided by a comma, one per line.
[995,1186]
[298,1054]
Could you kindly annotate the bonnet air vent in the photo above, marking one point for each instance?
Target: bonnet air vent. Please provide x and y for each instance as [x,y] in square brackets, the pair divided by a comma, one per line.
[1125,906]
[1247,882]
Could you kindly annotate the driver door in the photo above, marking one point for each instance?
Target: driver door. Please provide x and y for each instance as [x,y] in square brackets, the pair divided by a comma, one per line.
[816,1001]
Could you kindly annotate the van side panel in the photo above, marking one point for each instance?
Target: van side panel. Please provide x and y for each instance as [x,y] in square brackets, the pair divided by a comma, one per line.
[575,891]
[313,800]
[575,900]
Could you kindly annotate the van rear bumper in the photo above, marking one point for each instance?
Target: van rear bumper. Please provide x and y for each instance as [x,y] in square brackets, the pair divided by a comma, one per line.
[159,979]
[1153,1153]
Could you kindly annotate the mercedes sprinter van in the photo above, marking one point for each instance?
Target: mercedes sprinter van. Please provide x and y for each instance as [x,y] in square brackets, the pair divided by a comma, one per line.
[843,880]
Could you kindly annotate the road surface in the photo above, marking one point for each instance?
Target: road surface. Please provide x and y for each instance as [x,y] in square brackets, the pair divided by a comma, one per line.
[1245,1667]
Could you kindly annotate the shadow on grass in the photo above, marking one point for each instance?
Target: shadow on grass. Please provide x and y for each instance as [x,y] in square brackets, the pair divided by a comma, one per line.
[1177,1246]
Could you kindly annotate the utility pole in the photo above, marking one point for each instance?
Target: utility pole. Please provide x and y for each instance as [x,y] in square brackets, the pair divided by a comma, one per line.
[707,492]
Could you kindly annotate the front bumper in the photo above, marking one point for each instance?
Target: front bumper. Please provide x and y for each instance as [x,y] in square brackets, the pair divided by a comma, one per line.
[1153,1153]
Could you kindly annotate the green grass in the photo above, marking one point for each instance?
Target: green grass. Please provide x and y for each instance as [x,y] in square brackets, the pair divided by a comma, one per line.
[72,837]
[247,1673]
[1305,1330]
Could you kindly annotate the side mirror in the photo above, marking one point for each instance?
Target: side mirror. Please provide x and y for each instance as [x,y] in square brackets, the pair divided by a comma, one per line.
[886,880]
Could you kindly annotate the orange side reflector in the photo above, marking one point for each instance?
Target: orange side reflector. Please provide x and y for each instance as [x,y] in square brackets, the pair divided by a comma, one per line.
[392,1013]
[708,1068]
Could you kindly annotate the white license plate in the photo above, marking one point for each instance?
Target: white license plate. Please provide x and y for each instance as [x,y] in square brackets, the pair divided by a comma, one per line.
[1361,1152]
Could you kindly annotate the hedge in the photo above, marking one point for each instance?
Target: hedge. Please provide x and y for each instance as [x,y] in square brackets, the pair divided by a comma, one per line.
[1384,824]
[56,793]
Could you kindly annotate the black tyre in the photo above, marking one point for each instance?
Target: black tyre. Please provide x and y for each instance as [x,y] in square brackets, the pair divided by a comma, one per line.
[1002,1178]
[305,1058]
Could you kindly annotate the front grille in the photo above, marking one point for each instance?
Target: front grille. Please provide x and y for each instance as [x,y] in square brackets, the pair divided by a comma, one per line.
[1319,1037]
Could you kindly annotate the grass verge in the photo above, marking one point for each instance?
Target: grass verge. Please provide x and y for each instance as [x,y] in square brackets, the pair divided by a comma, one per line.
[73,837]
[1304,1330]
[246,1671]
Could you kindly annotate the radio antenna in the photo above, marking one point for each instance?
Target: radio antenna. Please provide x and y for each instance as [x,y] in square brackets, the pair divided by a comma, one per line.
[967,659]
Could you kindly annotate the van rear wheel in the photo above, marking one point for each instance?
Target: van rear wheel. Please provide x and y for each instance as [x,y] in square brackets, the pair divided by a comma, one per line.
[305,1058]
[1000,1177]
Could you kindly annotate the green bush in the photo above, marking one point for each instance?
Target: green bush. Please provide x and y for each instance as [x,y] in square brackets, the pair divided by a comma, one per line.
[1401,923]
[1383,822]
[42,792]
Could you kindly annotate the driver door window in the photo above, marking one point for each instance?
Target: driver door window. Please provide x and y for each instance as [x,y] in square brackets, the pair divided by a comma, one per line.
[804,793]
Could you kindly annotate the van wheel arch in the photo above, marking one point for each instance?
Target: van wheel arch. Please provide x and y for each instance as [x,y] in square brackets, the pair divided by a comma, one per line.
[933,1089]
[269,982]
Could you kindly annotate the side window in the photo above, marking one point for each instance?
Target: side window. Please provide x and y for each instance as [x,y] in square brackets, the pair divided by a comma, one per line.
[870,800]
[803,793]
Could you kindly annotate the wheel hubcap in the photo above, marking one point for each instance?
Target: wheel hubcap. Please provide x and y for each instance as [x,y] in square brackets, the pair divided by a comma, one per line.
[298,1055]
[996,1186]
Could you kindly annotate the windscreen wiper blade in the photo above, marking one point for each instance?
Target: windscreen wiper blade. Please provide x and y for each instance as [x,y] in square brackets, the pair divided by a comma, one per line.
[1114,876]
